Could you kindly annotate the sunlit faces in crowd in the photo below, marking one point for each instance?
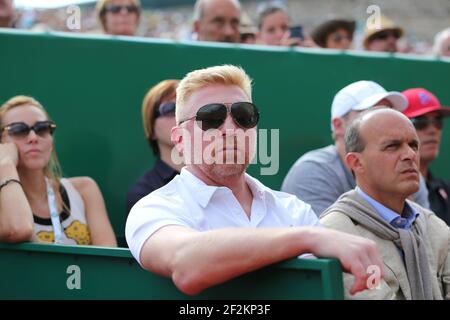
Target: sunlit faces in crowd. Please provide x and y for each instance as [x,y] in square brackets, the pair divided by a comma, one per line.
[217,20]
[119,17]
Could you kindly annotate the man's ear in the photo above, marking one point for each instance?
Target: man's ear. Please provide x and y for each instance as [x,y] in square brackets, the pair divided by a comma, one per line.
[353,162]
[176,136]
[196,26]
[338,127]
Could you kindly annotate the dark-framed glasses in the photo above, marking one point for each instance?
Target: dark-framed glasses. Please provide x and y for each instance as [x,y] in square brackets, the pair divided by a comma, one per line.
[421,123]
[213,115]
[113,8]
[21,129]
[165,109]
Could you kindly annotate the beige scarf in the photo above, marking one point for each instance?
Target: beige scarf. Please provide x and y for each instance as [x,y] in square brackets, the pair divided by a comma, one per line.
[412,241]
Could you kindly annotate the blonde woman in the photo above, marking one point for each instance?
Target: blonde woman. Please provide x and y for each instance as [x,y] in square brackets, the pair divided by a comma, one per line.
[36,203]
[119,17]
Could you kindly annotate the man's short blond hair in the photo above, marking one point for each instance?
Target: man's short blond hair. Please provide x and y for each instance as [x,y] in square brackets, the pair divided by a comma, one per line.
[218,75]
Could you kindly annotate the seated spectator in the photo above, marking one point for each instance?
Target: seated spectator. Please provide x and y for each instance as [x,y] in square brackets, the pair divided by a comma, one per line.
[217,20]
[214,222]
[273,27]
[383,37]
[334,34]
[248,30]
[36,203]
[320,176]
[158,115]
[119,17]
[383,152]
[441,46]
[6,14]
[427,116]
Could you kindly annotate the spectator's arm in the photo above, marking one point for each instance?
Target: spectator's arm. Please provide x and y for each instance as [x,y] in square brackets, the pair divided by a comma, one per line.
[16,217]
[198,260]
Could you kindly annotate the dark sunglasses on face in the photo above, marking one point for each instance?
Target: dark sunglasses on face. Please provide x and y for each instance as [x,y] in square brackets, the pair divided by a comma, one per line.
[383,35]
[213,115]
[165,109]
[117,8]
[21,129]
[421,123]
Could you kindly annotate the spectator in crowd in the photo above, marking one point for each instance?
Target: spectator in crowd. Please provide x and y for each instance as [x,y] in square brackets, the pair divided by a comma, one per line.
[334,34]
[273,27]
[214,222]
[320,176]
[119,17]
[248,30]
[158,115]
[36,203]
[382,36]
[217,20]
[427,115]
[383,153]
[6,14]
[441,46]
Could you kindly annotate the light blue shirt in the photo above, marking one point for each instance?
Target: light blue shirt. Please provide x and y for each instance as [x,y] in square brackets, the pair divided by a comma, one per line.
[403,221]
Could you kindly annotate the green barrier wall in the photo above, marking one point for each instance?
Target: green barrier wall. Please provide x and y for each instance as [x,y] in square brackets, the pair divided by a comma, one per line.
[43,271]
[93,87]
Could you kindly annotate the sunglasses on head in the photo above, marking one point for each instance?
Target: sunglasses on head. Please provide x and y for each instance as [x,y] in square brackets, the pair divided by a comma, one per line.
[21,129]
[421,123]
[165,109]
[213,115]
[117,8]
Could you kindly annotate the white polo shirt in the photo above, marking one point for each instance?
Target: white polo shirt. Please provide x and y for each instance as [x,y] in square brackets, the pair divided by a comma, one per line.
[188,201]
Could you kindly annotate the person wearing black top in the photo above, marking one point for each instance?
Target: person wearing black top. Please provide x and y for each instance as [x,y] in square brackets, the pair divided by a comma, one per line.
[427,114]
[158,113]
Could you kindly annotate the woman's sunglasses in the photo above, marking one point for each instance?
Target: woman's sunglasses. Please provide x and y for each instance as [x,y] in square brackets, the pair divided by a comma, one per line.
[213,115]
[165,109]
[21,129]
[421,123]
[117,8]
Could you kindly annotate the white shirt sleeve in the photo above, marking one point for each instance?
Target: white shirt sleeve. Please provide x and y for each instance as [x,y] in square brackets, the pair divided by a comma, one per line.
[150,214]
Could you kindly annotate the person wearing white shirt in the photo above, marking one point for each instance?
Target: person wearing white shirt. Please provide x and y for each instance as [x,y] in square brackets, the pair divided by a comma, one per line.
[214,222]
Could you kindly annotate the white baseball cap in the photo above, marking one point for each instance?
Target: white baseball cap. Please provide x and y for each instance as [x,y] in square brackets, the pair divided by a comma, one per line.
[362,95]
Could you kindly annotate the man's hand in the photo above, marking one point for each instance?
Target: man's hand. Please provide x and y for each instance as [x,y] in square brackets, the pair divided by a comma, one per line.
[356,254]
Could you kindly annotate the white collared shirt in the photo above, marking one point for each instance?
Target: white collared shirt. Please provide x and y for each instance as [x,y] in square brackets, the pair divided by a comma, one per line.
[188,201]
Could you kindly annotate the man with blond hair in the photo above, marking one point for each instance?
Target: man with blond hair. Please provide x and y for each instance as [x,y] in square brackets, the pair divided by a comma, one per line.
[217,20]
[214,222]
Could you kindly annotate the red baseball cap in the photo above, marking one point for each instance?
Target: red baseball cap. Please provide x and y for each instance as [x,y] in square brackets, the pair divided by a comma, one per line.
[421,101]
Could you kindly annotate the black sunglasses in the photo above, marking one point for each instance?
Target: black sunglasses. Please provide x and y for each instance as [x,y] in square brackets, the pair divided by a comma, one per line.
[117,8]
[21,129]
[421,123]
[383,35]
[213,115]
[164,109]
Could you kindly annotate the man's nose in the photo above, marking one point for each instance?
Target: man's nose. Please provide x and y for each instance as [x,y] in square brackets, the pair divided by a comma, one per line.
[229,124]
